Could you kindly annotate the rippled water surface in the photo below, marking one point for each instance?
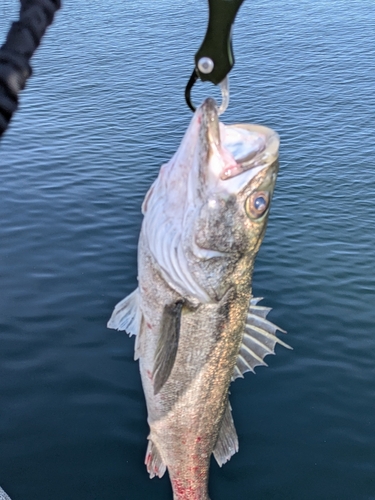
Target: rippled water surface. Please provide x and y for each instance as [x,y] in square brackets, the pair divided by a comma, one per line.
[102,112]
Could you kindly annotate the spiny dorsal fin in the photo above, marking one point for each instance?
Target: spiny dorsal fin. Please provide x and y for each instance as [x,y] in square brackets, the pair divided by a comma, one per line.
[127,315]
[153,461]
[259,339]
[166,350]
[227,441]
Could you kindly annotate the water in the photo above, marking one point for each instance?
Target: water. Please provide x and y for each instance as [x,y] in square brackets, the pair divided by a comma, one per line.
[102,112]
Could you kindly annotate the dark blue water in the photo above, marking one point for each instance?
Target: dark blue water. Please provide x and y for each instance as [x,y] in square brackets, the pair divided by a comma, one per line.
[102,112]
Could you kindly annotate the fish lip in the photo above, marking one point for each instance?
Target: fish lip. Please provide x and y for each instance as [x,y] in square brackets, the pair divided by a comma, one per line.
[210,122]
[214,157]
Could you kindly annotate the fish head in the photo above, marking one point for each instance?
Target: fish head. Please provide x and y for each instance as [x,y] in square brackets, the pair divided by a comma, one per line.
[237,172]
[206,214]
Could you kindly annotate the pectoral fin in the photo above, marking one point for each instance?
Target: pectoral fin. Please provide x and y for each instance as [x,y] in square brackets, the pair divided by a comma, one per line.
[127,314]
[227,442]
[259,340]
[166,350]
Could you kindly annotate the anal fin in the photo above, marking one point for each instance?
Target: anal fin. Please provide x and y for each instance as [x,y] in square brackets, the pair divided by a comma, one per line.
[153,461]
[227,441]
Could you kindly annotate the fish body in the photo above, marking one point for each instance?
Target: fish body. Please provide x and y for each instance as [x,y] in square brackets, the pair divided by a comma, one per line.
[197,325]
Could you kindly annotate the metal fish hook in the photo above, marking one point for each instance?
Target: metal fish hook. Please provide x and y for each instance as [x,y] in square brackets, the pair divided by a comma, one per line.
[224,87]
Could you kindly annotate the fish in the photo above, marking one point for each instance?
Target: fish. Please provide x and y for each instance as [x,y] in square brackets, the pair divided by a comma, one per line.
[3,495]
[197,325]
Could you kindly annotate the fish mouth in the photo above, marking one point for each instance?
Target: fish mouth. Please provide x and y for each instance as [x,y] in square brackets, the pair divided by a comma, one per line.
[239,147]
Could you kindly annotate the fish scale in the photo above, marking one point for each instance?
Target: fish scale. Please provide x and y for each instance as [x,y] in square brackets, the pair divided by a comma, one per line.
[196,323]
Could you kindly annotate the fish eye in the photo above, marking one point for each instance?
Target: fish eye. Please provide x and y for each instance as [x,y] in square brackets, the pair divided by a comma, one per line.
[257,204]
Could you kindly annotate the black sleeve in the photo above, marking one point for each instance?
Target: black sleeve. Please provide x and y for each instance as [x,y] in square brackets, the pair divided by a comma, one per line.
[22,40]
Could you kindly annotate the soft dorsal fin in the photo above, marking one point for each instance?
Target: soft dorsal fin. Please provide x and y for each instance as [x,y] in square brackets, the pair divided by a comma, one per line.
[227,441]
[127,314]
[166,350]
[259,339]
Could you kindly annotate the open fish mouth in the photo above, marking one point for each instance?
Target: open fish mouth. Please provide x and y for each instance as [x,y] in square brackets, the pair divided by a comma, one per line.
[240,147]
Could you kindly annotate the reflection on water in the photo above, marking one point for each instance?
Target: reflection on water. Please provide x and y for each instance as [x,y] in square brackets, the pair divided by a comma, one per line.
[102,112]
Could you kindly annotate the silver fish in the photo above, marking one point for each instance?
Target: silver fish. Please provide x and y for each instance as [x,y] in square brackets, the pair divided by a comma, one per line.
[197,325]
[3,495]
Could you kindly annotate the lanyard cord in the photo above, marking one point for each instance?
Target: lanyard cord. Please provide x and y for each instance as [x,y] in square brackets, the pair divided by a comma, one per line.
[22,40]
